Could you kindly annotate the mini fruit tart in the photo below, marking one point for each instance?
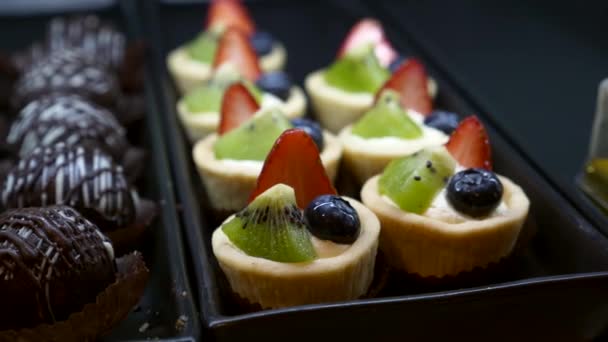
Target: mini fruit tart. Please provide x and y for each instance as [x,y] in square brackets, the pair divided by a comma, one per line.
[297,242]
[199,109]
[193,62]
[443,211]
[390,129]
[230,162]
[341,93]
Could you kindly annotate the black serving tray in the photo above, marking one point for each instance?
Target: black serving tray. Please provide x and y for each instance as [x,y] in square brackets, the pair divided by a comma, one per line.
[167,295]
[556,287]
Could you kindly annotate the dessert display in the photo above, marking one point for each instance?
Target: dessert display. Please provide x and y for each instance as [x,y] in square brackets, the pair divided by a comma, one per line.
[393,127]
[341,93]
[192,64]
[297,242]
[199,108]
[60,278]
[442,209]
[230,161]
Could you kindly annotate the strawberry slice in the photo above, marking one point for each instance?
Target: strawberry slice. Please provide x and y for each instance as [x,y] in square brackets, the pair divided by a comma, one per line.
[234,46]
[294,161]
[238,105]
[230,13]
[469,144]
[368,31]
[410,81]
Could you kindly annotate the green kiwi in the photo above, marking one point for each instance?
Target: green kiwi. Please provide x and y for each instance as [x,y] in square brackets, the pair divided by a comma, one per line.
[413,181]
[208,98]
[203,47]
[272,227]
[387,119]
[254,138]
[358,71]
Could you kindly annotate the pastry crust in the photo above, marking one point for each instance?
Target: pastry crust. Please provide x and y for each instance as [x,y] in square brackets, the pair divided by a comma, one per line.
[364,159]
[229,188]
[336,108]
[199,125]
[274,284]
[187,73]
[431,247]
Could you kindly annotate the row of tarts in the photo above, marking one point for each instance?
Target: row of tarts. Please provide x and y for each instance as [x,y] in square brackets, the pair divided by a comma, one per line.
[430,202]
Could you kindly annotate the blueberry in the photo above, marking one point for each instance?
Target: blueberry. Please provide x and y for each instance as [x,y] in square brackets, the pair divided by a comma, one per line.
[329,217]
[262,42]
[277,83]
[395,64]
[442,120]
[475,192]
[312,129]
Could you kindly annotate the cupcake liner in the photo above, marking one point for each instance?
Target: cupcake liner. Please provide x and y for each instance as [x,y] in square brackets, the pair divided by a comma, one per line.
[98,318]
[125,238]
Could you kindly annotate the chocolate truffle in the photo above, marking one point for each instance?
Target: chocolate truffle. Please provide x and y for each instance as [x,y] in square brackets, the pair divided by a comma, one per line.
[99,41]
[84,178]
[69,119]
[52,262]
[69,72]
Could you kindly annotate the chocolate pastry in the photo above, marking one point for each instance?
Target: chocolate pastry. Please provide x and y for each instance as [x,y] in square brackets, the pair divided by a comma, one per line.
[74,121]
[67,71]
[52,262]
[84,178]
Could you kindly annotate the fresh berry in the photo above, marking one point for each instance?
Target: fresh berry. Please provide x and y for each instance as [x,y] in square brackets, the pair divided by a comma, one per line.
[410,81]
[369,31]
[395,64]
[329,217]
[311,128]
[442,120]
[238,105]
[277,83]
[469,144]
[230,14]
[234,47]
[262,42]
[294,161]
[475,192]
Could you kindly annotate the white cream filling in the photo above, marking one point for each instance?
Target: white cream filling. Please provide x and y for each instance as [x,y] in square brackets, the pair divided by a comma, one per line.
[327,248]
[441,209]
[253,166]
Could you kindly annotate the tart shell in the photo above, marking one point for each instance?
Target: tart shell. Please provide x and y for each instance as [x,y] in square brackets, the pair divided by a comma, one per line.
[430,247]
[199,125]
[274,284]
[188,73]
[228,188]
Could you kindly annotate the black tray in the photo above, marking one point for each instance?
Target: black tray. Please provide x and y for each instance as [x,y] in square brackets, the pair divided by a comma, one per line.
[554,288]
[168,295]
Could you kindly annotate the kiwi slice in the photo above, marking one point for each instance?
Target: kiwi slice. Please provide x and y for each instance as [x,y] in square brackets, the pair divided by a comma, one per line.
[208,98]
[357,71]
[254,138]
[413,181]
[387,119]
[203,47]
[272,227]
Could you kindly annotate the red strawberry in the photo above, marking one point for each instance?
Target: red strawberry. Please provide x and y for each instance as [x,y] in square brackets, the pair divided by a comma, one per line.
[234,46]
[410,81]
[230,13]
[238,105]
[294,161]
[469,144]
[367,31]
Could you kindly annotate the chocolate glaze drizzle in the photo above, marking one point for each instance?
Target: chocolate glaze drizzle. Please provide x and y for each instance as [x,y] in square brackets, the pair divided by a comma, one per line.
[69,119]
[84,178]
[67,71]
[52,262]
[99,41]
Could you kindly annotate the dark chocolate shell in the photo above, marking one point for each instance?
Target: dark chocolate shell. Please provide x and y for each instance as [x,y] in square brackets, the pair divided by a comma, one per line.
[69,119]
[52,262]
[87,179]
[69,72]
